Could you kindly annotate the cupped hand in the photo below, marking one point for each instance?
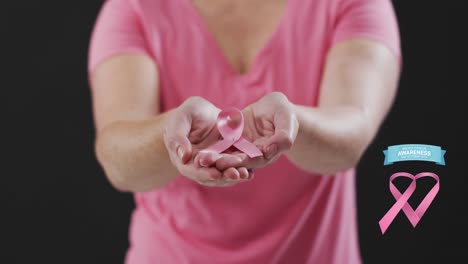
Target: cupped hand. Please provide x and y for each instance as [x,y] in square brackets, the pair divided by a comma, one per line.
[271,124]
[192,128]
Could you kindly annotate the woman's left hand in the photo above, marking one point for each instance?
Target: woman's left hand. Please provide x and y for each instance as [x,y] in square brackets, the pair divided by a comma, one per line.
[271,124]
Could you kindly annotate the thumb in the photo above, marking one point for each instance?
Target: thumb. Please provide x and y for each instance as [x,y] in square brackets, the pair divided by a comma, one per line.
[180,147]
[176,140]
[286,127]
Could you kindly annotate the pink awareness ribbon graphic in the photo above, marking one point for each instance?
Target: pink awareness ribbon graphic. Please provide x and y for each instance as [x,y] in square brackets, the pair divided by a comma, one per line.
[402,200]
[230,125]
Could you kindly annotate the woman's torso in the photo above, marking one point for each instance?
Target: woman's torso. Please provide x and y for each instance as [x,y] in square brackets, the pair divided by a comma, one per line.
[285,215]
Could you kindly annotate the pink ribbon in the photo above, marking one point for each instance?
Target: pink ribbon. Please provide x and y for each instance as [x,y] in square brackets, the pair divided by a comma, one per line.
[230,125]
[402,200]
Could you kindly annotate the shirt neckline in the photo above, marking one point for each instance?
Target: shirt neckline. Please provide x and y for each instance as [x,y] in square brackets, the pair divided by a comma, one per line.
[214,47]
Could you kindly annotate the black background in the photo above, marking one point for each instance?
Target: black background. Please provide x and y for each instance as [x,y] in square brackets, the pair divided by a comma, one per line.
[57,206]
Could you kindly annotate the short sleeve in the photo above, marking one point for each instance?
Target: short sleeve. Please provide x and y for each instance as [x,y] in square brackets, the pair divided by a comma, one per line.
[117,30]
[371,19]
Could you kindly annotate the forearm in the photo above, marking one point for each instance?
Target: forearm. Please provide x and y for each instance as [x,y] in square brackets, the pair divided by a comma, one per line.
[330,140]
[134,156]
[357,90]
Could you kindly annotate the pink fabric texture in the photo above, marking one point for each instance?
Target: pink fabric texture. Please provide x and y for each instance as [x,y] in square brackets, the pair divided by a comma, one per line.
[285,215]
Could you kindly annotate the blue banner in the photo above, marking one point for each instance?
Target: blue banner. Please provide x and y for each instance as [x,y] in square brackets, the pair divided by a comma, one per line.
[411,152]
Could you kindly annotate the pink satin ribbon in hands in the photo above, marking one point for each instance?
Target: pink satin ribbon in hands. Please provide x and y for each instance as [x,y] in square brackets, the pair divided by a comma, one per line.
[230,125]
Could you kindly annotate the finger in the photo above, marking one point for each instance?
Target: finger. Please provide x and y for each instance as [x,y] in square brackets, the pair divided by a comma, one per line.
[206,158]
[231,160]
[251,175]
[200,174]
[231,174]
[218,184]
[209,183]
[222,183]
[243,173]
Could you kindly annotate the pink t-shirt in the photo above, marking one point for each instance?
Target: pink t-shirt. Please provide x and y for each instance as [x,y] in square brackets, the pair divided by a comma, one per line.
[285,215]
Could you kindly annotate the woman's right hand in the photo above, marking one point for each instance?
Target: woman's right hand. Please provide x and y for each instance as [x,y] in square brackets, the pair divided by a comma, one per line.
[192,128]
